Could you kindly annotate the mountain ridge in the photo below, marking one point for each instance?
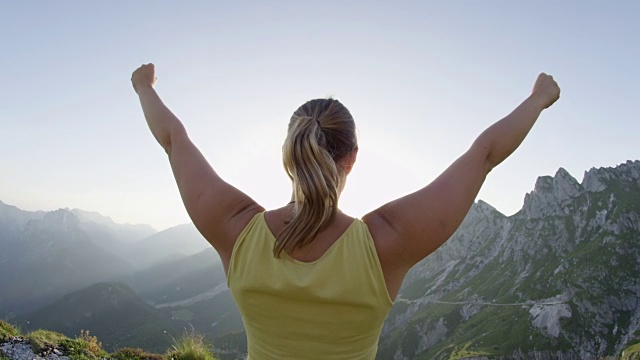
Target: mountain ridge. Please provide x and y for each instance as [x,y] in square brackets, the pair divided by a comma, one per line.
[494,260]
[47,254]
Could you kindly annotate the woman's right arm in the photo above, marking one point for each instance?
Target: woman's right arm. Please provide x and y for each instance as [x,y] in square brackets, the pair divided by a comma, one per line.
[218,210]
[410,228]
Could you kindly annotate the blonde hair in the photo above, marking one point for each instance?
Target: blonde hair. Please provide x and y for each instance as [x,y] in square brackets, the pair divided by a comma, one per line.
[321,132]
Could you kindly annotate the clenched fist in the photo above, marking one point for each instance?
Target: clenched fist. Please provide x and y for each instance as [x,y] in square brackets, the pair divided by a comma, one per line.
[144,76]
[546,90]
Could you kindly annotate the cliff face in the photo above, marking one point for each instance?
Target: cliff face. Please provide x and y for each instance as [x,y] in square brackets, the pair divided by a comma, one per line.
[557,280]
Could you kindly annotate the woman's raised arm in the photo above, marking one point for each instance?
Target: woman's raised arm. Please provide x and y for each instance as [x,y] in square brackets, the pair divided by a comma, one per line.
[410,228]
[217,209]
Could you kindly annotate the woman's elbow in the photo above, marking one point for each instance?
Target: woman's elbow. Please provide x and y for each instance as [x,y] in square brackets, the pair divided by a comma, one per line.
[485,152]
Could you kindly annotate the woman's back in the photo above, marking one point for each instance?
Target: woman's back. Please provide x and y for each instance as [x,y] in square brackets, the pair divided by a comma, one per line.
[277,220]
[330,308]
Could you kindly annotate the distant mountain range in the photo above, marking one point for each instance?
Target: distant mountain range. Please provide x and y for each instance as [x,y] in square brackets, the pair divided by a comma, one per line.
[49,257]
[557,280]
[46,255]
[68,270]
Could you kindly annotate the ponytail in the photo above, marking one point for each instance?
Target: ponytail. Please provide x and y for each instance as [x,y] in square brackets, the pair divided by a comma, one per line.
[320,133]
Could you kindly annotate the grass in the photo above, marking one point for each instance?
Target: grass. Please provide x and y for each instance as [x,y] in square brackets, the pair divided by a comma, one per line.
[42,339]
[464,352]
[190,346]
[8,331]
[631,353]
[134,354]
[84,347]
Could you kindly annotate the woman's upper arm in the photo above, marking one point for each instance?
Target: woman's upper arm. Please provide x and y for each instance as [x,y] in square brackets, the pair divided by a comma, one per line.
[217,209]
[417,224]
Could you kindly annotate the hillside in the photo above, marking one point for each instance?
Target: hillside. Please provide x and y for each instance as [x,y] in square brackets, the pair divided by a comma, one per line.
[192,289]
[182,240]
[557,280]
[113,313]
[179,278]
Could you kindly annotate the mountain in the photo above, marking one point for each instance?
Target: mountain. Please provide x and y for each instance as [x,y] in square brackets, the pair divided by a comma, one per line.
[113,312]
[118,239]
[181,240]
[141,245]
[192,289]
[12,220]
[44,255]
[557,280]
[125,232]
[179,278]
[47,257]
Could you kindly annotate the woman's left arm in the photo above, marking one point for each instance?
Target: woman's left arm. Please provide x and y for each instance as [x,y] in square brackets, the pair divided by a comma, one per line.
[217,209]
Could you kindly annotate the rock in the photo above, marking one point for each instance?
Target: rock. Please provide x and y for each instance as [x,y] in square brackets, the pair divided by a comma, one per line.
[20,349]
[565,186]
[551,194]
[547,317]
[627,174]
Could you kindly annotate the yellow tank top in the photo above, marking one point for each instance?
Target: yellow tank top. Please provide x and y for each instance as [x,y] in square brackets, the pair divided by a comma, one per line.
[331,308]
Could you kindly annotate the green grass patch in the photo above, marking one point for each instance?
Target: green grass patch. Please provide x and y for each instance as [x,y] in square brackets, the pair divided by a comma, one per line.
[190,346]
[7,331]
[41,339]
[631,353]
[134,354]
[83,347]
[464,352]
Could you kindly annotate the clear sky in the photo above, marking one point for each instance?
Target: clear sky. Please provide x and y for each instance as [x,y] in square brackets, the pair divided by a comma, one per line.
[422,80]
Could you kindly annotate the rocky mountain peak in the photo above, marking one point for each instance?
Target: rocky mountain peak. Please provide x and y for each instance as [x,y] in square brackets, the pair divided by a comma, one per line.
[485,208]
[62,219]
[550,193]
[628,175]
[566,186]
[55,226]
[11,214]
[92,216]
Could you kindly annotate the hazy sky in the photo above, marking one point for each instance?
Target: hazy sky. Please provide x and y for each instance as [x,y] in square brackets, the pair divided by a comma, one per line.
[422,80]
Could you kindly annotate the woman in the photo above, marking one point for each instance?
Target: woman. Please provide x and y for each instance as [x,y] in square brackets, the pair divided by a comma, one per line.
[310,281]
